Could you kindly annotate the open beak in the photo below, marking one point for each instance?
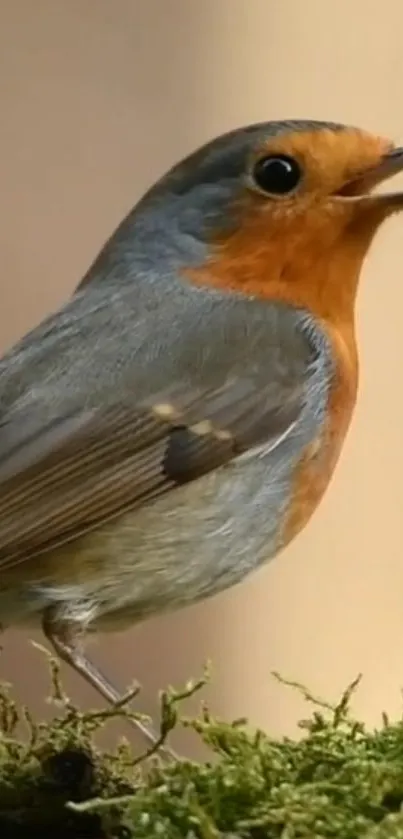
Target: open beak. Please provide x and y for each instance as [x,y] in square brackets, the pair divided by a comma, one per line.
[360,188]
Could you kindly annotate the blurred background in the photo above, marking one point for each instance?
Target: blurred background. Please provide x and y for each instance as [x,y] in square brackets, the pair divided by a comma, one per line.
[97,100]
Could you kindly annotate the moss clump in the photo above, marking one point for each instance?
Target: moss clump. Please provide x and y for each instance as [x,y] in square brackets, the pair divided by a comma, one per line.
[338,780]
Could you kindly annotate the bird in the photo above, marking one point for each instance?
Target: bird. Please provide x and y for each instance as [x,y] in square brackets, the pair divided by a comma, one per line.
[176,422]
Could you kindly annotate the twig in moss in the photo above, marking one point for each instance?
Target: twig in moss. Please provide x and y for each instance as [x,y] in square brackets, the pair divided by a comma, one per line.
[169,702]
[340,711]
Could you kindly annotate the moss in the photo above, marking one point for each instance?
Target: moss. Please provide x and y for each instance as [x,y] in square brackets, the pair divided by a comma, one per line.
[337,780]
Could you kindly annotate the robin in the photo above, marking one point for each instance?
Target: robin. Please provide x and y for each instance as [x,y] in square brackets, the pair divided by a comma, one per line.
[177,422]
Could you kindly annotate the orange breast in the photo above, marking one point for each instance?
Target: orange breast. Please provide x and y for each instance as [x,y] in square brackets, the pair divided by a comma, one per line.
[319,460]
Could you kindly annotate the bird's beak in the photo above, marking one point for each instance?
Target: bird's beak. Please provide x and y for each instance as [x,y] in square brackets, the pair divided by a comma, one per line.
[360,189]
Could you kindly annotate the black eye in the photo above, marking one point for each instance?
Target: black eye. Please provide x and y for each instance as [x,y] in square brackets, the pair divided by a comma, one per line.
[277,174]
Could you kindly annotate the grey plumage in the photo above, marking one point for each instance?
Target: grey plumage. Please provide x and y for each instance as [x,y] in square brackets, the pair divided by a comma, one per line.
[248,383]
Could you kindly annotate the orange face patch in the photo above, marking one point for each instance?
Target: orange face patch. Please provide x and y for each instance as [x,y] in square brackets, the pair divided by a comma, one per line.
[303,248]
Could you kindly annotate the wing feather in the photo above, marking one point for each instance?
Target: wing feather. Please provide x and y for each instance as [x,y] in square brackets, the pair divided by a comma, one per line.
[63,478]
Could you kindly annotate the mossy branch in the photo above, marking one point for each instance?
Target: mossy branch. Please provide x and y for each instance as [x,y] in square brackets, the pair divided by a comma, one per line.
[339,780]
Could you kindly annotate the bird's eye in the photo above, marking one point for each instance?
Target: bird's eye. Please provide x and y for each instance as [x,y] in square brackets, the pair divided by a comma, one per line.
[277,174]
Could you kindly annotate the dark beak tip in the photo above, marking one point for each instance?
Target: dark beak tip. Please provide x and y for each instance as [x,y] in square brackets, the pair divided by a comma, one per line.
[395,153]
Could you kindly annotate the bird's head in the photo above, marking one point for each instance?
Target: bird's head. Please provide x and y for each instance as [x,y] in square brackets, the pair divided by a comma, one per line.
[284,209]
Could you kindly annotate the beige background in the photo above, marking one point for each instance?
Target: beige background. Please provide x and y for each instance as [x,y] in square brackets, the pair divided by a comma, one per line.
[97,99]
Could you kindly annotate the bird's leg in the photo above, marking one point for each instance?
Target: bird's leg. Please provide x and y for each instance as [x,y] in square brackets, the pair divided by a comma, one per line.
[63,637]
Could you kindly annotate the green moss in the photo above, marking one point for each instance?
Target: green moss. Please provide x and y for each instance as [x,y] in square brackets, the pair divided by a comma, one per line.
[337,780]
